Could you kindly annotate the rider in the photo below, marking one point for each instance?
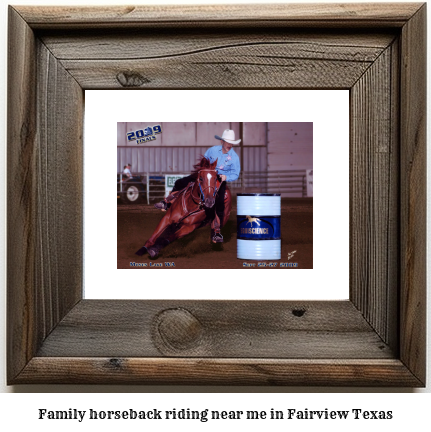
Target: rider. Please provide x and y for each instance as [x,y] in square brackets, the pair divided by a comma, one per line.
[228,168]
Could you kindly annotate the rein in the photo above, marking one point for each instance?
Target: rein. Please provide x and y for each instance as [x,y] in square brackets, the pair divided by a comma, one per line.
[196,199]
[188,213]
[208,187]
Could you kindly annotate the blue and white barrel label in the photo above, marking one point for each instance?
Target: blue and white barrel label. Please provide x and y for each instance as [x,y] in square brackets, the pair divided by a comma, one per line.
[258,227]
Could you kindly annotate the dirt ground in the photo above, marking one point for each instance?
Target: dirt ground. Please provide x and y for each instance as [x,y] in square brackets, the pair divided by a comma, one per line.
[136,223]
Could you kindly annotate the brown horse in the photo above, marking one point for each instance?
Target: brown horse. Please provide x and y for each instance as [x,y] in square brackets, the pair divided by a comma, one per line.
[191,209]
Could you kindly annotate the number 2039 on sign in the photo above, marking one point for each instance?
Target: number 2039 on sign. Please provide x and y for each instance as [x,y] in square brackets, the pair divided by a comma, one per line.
[143,135]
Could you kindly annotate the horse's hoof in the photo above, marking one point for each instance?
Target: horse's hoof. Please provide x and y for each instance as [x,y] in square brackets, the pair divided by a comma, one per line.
[217,238]
[152,252]
[141,251]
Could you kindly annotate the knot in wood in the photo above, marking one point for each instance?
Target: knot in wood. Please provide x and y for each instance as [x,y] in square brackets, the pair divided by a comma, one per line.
[178,329]
[115,363]
[298,312]
[131,79]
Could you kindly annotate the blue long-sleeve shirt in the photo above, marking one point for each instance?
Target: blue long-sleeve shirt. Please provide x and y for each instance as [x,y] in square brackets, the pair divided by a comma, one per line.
[227,163]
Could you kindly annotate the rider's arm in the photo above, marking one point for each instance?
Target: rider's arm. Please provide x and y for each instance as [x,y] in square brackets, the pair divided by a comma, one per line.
[233,174]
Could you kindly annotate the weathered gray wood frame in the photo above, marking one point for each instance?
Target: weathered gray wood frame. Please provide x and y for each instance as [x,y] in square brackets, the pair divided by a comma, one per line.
[377,338]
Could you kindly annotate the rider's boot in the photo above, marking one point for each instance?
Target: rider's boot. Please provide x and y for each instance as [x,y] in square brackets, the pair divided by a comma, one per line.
[166,203]
[162,205]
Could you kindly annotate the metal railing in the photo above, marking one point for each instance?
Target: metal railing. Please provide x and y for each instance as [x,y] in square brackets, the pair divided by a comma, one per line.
[284,182]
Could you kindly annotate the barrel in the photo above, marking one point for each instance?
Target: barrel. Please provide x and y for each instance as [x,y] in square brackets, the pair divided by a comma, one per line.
[258,226]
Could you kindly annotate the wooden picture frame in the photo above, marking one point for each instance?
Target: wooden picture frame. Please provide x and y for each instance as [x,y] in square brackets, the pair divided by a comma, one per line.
[376,338]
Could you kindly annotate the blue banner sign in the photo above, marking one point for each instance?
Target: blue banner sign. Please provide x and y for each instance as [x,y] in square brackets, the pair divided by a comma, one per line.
[258,227]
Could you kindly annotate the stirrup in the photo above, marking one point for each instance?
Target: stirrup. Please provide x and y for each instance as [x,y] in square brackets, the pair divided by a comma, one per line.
[217,238]
[162,205]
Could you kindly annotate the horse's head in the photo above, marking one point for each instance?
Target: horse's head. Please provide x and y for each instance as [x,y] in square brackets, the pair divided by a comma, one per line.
[207,181]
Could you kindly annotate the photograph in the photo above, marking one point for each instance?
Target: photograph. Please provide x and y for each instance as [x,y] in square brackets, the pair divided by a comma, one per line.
[215,195]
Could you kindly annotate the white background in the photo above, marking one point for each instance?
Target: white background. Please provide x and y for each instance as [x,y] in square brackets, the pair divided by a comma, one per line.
[20,410]
[329,113]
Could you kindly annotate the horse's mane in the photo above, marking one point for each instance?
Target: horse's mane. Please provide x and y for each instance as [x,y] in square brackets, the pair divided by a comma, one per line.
[203,163]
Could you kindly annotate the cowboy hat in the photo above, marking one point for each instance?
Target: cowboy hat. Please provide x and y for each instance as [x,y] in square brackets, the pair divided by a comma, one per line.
[228,136]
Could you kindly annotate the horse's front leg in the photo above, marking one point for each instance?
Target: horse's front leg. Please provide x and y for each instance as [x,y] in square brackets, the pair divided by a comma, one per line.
[227,205]
[149,245]
[184,230]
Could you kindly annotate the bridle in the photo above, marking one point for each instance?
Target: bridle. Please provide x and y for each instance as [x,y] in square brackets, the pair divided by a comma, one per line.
[198,200]
[208,187]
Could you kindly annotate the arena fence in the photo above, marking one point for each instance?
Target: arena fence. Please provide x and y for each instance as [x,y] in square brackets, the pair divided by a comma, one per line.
[288,183]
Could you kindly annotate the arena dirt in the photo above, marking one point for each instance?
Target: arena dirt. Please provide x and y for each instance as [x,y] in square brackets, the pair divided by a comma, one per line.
[135,224]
